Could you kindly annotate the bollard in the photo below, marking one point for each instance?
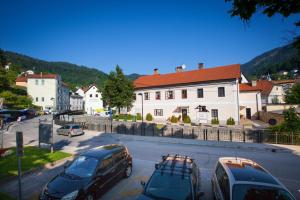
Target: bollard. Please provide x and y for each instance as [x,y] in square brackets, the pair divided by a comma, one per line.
[230,133]
[218,133]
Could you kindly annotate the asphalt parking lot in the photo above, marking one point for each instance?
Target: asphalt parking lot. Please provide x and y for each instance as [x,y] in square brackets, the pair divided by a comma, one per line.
[283,165]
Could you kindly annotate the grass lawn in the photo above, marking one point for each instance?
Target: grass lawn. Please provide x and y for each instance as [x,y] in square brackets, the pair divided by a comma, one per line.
[5,197]
[33,157]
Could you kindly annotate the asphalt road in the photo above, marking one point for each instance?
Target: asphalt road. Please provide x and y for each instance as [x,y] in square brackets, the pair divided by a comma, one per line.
[283,165]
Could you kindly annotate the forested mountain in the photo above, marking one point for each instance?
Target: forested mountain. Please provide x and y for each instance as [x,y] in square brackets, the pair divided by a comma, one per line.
[273,61]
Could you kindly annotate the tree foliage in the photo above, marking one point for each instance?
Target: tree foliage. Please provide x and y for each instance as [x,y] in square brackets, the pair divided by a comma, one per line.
[3,61]
[245,10]
[117,90]
[14,101]
[291,122]
[293,95]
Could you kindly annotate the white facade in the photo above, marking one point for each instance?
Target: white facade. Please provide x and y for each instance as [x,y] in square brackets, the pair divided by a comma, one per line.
[218,106]
[80,92]
[93,100]
[49,93]
[250,104]
[76,102]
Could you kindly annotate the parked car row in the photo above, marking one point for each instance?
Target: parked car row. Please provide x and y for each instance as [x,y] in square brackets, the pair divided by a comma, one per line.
[174,177]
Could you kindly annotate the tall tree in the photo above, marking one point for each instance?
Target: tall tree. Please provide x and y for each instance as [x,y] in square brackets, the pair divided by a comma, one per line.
[118,90]
[3,60]
[293,95]
[246,8]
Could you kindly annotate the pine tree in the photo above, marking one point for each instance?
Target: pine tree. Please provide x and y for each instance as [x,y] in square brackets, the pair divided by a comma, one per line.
[118,90]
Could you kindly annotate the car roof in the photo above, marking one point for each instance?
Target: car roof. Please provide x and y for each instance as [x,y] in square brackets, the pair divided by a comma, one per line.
[175,164]
[247,170]
[72,125]
[103,151]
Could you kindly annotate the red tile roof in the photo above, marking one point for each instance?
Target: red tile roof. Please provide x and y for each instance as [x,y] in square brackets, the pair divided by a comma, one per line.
[45,76]
[263,85]
[283,81]
[187,77]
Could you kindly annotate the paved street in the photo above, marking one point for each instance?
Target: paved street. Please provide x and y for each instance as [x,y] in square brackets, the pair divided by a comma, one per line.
[146,152]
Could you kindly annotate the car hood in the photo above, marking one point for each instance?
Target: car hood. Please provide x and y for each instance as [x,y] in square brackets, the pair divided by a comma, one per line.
[144,197]
[63,184]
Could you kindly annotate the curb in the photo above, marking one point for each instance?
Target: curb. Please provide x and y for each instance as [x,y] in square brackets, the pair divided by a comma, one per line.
[33,170]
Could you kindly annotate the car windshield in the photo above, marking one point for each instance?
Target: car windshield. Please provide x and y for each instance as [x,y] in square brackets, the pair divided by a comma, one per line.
[167,186]
[82,166]
[76,127]
[259,192]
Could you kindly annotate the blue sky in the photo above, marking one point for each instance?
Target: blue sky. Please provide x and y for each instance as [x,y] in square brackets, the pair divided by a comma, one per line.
[138,35]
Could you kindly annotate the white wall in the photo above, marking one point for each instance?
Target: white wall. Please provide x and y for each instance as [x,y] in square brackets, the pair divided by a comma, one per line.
[76,102]
[252,100]
[227,106]
[94,103]
[276,92]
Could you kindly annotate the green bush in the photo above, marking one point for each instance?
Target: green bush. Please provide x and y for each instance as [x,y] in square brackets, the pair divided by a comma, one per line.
[186,119]
[214,121]
[129,117]
[116,117]
[138,116]
[174,119]
[149,117]
[230,121]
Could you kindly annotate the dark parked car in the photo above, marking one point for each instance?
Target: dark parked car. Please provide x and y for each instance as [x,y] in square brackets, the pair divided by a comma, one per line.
[175,177]
[90,174]
[243,179]
[70,130]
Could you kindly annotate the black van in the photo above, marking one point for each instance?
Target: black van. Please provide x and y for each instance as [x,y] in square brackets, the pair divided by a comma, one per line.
[90,174]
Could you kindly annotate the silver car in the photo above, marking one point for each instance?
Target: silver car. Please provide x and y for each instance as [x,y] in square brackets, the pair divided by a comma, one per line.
[70,130]
[242,179]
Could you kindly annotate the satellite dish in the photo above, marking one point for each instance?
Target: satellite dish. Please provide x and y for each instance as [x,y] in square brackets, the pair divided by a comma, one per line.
[183,66]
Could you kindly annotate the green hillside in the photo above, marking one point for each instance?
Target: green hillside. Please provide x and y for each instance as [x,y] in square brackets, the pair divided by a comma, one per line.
[278,59]
[72,74]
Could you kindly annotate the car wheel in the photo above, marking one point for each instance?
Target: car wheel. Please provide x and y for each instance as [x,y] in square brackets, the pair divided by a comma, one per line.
[128,171]
[90,197]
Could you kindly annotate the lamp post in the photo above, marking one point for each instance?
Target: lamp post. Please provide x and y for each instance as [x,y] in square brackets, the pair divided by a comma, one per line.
[141,94]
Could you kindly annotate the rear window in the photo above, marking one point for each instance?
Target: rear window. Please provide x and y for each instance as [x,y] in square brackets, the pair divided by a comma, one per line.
[259,192]
[76,127]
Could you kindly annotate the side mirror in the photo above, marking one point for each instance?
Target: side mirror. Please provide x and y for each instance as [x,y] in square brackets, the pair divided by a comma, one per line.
[143,183]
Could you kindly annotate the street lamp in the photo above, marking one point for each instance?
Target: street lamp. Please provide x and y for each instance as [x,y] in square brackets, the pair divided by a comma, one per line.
[141,94]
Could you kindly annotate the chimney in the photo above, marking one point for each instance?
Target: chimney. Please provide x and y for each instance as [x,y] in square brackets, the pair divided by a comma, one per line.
[179,69]
[155,71]
[254,83]
[200,65]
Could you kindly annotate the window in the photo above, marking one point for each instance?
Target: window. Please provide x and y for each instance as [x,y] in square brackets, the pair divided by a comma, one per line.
[158,112]
[134,96]
[157,95]
[221,92]
[91,95]
[223,181]
[200,93]
[43,99]
[96,95]
[106,164]
[170,94]
[36,99]
[43,82]
[119,155]
[147,95]
[214,113]
[36,81]
[183,94]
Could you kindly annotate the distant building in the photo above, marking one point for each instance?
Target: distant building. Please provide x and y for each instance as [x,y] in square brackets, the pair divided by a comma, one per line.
[92,100]
[47,91]
[76,102]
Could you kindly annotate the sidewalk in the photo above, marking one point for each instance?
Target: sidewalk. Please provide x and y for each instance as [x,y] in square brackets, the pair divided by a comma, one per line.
[223,144]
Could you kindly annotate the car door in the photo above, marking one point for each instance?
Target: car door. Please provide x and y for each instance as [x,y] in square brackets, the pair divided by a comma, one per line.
[221,185]
[105,173]
[120,162]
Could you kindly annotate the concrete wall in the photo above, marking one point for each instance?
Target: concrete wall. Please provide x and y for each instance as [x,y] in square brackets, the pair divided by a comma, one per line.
[227,106]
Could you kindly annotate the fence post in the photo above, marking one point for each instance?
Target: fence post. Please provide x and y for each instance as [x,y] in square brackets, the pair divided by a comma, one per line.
[257,136]
[172,131]
[193,134]
[133,129]
[105,127]
[111,127]
[125,129]
[218,133]
[292,137]
[244,136]
[203,134]
[162,132]
[206,134]
[153,129]
[230,134]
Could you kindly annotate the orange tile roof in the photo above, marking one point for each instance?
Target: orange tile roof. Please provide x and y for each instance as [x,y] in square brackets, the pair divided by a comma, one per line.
[283,81]
[247,87]
[187,77]
[51,76]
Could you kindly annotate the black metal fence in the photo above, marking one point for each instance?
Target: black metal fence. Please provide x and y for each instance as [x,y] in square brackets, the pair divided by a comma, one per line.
[192,132]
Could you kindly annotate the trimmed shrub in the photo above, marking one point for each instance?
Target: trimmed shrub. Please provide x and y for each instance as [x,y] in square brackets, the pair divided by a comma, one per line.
[129,117]
[116,117]
[138,116]
[215,121]
[230,121]
[186,119]
[149,117]
[174,119]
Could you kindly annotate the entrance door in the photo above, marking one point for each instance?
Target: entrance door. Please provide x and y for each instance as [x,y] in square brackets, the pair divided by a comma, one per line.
[184,112]
[248,113]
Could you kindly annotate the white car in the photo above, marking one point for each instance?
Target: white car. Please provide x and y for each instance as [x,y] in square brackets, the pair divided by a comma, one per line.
[242,179]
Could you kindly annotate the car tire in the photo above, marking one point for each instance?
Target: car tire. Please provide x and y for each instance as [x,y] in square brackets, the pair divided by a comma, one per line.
[128,171]
[90,197]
